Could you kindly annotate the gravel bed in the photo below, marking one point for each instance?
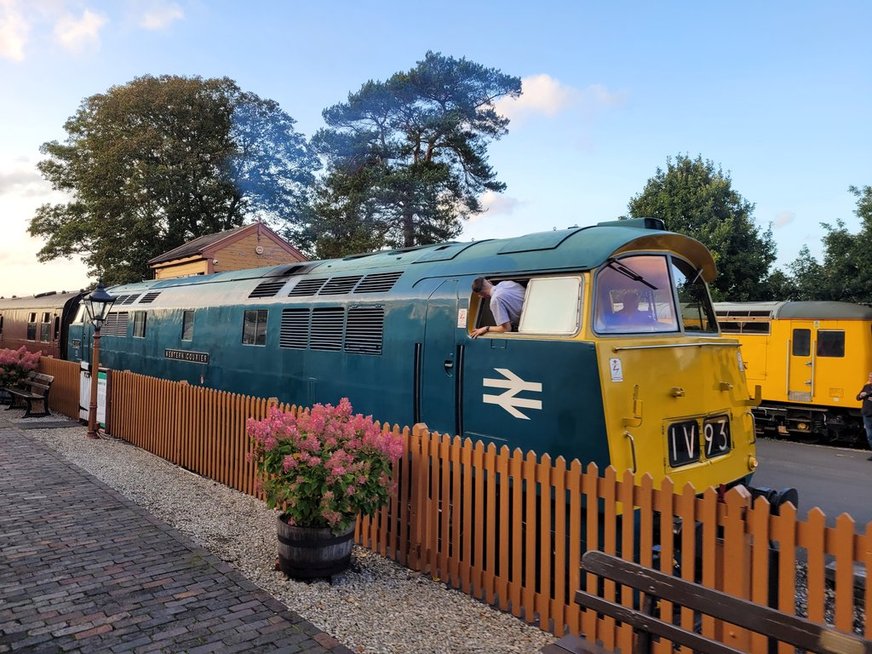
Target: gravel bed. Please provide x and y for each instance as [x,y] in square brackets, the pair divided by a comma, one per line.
[377,606]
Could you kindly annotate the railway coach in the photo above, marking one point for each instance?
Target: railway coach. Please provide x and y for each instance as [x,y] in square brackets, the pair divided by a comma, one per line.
[810,360]
[39,323]
[662,394]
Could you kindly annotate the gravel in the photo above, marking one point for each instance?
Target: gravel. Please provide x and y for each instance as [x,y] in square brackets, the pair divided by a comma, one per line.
[376,606]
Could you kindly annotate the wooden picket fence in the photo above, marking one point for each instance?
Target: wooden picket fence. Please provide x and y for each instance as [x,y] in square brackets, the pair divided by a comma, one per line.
[491,522]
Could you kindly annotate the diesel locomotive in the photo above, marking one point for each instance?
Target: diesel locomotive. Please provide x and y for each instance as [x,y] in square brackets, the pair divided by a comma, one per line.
[660,392]
[810,360]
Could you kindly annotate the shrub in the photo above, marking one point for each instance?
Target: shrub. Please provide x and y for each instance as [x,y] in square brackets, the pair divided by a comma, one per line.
[324,467]
[15,364]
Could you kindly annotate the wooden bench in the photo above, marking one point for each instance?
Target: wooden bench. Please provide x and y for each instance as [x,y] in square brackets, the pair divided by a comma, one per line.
[646,624]
[33,388]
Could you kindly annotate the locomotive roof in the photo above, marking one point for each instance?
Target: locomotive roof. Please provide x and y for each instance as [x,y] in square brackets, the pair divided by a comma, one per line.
[811,310]
[577,248]
[49,300]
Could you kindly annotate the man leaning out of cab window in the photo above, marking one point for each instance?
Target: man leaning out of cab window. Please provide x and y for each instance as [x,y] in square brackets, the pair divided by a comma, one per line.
[506,302]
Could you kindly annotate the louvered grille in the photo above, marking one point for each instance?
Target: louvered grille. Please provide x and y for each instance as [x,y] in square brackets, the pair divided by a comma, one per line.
[295,329]
[365,330]
[116,324]
[340,285]
[306,287]
[120,299]
[378,283]
[130,299]
[326,330]
[269,287]
[148,298]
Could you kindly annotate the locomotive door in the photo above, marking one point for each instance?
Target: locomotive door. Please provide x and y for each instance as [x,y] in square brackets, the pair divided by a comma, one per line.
[800,362]
[436,378]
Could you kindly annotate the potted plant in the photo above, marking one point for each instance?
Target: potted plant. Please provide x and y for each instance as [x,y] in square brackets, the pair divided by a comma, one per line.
[321,469]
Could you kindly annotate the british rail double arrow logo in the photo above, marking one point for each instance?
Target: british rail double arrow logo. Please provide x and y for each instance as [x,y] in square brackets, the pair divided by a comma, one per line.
[513,385]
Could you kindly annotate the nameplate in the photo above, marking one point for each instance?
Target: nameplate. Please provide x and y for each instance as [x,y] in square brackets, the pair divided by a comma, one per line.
[187,355]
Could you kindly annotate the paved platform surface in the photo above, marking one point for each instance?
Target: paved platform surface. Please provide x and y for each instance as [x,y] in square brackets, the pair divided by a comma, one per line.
[83,569]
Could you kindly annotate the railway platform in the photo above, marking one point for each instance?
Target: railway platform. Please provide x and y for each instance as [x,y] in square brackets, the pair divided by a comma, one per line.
[83,569]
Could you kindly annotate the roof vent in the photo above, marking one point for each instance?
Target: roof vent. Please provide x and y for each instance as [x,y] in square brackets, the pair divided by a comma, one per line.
[378,283]
[306,286]
[268,288]
[148,298]
[340,285]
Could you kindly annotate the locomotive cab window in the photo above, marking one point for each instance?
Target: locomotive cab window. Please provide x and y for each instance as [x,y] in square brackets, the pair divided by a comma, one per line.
[634,295]
[697,313]
[801,342]
[551,306]
[831,343]
[254,327]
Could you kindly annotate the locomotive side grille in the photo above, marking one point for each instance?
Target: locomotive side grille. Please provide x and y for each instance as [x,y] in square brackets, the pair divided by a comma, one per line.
[327,327]
[130,299]
[295,329]
[340,285]
[116,324]
[148,298]
[306,287]
[120,299]
[378,282]
[269,287]
[365,330]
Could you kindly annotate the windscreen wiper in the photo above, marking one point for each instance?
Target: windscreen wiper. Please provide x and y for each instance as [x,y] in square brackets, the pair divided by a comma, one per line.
[628,272]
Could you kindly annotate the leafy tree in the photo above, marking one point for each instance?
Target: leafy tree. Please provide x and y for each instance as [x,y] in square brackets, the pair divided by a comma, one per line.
[407,158]
[693,197]
[156,162]
[846,271]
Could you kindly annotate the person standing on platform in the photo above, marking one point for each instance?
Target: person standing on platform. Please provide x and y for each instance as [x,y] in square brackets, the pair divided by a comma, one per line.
[865,394]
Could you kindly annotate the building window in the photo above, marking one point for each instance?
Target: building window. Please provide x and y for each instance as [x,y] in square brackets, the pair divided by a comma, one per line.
[139,324]
[188,325]
[254,327]
[31,327]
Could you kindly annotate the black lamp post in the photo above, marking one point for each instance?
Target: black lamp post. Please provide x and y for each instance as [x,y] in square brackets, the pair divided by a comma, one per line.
[97,304]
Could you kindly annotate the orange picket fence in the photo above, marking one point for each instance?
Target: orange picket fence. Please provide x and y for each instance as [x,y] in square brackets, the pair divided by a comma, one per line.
[509,528]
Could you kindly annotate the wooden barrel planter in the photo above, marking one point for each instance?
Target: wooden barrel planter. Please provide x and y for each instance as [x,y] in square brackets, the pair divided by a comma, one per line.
[312,552]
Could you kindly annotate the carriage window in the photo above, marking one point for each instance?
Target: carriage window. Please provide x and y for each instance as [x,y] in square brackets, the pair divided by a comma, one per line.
[551,306]
[831,344]
[139,324]
[1,324]
[254,327]
[45,328]
[31,327]
[697,313]
[188,326]
[801,342]
[634,295]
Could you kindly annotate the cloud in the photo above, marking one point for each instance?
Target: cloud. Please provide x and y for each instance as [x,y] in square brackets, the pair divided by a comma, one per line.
[76,34]
[784,218]
[496,204]
[14,30]
[23,182]
[547,96]
[161,17]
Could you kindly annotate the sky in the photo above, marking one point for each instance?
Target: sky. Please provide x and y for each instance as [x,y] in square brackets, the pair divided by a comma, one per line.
[777,94]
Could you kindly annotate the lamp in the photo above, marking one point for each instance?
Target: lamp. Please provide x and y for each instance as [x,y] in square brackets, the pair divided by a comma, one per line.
[97,305]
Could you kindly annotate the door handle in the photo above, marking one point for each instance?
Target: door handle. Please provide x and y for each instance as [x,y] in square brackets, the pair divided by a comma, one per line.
[448,365]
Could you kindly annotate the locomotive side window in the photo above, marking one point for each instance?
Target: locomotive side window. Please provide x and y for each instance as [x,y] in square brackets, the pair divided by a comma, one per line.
[697,313]
[634,295]
[254,327]
[139,324]
[31,327]
[551,306]
[831,344]
[188,325]
[45,328]
[801,342]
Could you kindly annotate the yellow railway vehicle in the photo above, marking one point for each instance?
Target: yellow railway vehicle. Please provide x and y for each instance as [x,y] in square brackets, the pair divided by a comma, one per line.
[810,359]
